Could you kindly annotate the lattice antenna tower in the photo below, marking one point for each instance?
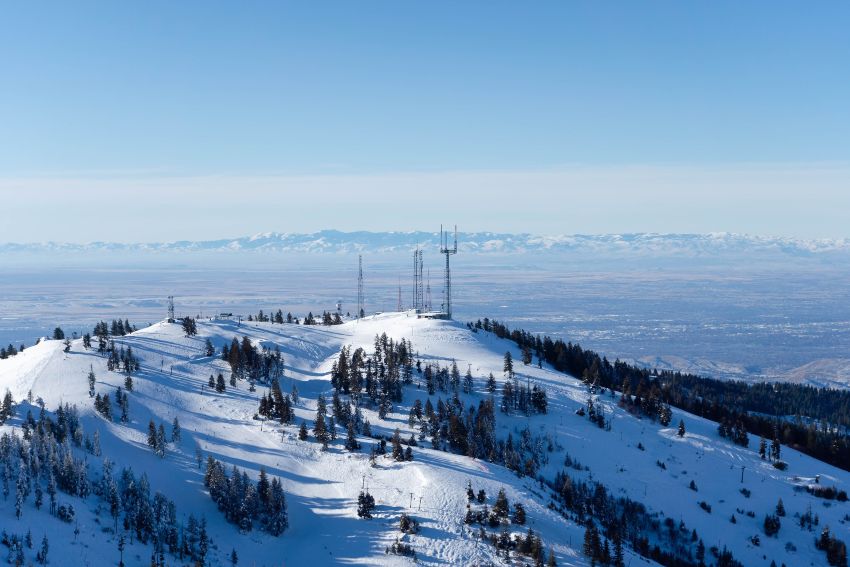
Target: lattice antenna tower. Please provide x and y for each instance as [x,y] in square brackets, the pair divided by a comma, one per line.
[415,277]
[418,288]
[170,308]
[361,306]
[428,293]
[444,249]
[421,297]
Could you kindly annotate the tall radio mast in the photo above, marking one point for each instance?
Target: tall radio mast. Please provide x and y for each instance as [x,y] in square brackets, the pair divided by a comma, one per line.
[361,307]
[444,249]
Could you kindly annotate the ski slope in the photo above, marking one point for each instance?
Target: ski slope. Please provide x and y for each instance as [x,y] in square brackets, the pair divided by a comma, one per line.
[322,486]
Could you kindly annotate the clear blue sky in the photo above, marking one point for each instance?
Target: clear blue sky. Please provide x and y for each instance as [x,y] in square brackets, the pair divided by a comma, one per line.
[153,91]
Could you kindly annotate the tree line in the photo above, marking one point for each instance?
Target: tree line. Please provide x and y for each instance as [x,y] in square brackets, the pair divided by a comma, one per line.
[809,419]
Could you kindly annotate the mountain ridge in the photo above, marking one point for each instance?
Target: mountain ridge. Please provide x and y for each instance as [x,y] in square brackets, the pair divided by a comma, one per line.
[485,242]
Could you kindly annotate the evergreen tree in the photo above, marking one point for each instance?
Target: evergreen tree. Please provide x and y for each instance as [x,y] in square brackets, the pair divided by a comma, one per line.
[500,508]
[160,441]
[91,378]
[219,383]
[467,381]
[519,514]
[125,409]
[508,366]
[491,384]
[209,349]
[302,431]
[189,327]
[681,428]
[775,449]
[41,556]
[175,431]
[320,430]
[152,435]
[365,505]
[619,558]
[351,440]
[398,452]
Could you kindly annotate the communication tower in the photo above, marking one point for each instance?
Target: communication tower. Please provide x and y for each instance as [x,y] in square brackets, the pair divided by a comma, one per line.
[361,307]
[444,249]
[418,288]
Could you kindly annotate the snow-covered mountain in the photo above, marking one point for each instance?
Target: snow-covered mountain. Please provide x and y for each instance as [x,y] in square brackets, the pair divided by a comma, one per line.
[693,482]
[332,241]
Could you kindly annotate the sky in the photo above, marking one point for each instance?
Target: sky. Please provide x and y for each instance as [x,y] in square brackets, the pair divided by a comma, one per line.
[160,121]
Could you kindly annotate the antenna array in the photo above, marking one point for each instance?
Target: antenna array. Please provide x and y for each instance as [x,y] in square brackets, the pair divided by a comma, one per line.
[428,293]
[361,307]
[444,249]
[418,287]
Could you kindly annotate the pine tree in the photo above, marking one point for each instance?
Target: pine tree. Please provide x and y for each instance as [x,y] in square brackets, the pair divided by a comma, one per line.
[365,505]
[234,559]
[91,381]
[203,541]
[398,452]
[681,428]
[519,514]
[160,441]
[587,547]
[7,409]
[619,558]
[209,349]
[175,431]
[211,382]
[152,435]
[762,448]
[219,383]
[189,327]
[302,431]
[508,366]
[775,449]
[41,556]
[500,508]
[125,408]
[467,381]
[780,508]
[351,440]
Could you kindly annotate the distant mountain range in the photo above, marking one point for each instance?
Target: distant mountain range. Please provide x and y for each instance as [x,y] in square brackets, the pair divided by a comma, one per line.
[333,241]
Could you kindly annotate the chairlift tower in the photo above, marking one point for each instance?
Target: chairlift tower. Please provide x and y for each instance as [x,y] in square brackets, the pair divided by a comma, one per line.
[444,249]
